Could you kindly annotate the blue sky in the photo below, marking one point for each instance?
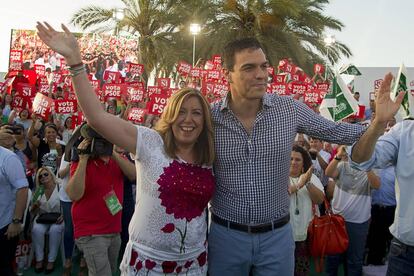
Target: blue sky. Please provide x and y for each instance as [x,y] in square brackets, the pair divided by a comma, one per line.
[377,31]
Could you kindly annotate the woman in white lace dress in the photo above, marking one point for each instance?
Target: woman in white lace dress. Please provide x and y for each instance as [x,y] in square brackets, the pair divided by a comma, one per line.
[174,175]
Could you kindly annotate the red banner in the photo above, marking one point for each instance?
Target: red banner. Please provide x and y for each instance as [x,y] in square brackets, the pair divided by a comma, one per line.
[25,90]
[112,90]
[213,75]
[279,88]
[322,86]
[195,72]
[19,102]
[40,70]
[135,69]
[136,115]
[16,56]
[312,97]
[183,68]
[66,106]
[112,77]
[318,69]
[44,89]
[135,94]
[154,90]
[157,104]
[299,89]
[57,78]
[96,84]
[164,82]
[42,106]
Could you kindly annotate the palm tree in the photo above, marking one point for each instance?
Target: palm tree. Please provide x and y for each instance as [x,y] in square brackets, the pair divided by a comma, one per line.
[286,28]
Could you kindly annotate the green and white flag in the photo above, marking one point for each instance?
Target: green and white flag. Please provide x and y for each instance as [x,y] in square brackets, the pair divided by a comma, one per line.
[339,103]
[400,85]
[350,69]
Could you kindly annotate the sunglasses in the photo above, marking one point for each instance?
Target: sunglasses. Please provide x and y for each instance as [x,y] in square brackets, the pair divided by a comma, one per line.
[43,175]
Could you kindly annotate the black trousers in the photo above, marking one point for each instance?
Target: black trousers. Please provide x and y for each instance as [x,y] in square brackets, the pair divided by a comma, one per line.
[7,252]
[379,236]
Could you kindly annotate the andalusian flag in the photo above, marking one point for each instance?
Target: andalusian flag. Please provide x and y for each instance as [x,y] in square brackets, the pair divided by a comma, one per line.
[339,103]
[350,69]
[400,85]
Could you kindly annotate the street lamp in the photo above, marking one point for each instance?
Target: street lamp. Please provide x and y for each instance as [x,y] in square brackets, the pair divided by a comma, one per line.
[194,30]
[329,41]
[118,15]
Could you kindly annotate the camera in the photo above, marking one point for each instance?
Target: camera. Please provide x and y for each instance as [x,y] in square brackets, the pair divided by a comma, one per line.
[15,129]
[99,146]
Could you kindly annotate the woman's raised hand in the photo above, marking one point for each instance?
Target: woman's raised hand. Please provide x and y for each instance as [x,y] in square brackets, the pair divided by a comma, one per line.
[64,43]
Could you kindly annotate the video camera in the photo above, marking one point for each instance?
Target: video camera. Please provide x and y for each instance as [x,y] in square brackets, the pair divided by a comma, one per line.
[99,146]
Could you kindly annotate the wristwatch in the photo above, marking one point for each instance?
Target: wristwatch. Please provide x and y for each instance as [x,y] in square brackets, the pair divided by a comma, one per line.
[17,221]
[337,158]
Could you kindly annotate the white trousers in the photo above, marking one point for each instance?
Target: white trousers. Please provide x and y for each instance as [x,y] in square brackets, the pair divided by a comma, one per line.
[38,239]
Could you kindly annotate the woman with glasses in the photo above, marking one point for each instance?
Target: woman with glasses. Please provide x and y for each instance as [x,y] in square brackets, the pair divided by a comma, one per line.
[46,200]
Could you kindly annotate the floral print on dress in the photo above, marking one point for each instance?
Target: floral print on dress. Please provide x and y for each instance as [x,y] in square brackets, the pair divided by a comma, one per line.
[185,189]
[166,267]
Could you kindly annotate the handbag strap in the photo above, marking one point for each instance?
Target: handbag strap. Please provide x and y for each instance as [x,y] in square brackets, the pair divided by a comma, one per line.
[319,262]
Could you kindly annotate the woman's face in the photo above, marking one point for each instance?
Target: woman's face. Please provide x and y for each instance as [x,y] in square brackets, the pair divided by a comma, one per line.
[50,134]
[189,123]
[8,99]
[44,177]
[24,114]
[296,164]
[68,122]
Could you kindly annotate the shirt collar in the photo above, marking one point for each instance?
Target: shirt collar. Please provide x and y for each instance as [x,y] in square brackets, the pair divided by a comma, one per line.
[266,102]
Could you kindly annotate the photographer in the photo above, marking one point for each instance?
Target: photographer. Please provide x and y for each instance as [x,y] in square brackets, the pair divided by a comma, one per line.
[96,189]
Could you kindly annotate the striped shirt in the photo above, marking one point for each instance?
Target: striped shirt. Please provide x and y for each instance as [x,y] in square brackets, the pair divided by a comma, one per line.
[252,170]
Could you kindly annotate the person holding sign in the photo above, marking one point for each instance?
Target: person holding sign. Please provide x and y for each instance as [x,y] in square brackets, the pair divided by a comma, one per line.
[175,180]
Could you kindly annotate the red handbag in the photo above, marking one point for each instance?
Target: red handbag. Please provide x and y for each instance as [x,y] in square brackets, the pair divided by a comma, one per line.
[326,236]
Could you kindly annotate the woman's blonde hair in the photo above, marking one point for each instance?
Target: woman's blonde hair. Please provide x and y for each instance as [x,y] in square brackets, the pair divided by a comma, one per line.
[204,146]
[39,171]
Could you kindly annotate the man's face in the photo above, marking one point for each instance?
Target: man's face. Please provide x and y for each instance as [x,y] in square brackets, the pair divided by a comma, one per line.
[248,79]
[315,144]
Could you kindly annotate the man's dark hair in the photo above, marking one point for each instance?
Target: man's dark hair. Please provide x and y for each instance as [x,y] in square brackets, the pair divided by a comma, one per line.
[236,46]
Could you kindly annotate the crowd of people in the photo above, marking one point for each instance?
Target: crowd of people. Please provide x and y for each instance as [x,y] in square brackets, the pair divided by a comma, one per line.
[228,188]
